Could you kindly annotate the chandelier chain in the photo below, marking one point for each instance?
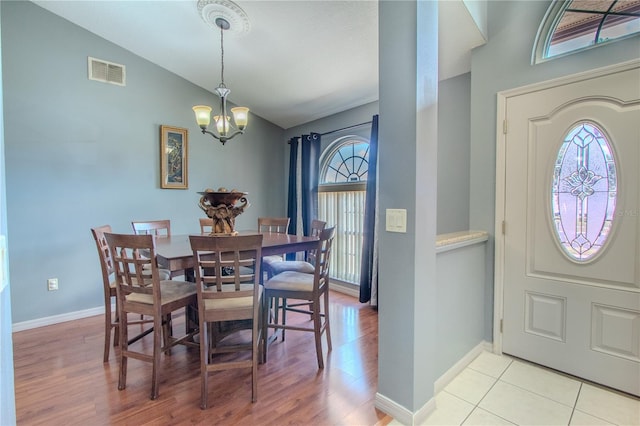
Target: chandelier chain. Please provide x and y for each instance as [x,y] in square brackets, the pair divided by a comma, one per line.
[222,56]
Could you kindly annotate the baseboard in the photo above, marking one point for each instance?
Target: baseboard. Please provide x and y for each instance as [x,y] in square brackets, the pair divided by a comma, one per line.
[341,288]
[457,368]
[405,416]
[70,316]
[420,417]
[395,410]
[55,319]
[402,414]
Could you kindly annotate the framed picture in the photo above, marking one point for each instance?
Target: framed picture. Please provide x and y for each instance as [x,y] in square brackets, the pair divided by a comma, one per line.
[174,171]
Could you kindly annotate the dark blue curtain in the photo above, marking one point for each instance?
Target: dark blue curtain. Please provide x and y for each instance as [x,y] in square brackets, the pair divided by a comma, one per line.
[310,170]
[292,202]
[369,265]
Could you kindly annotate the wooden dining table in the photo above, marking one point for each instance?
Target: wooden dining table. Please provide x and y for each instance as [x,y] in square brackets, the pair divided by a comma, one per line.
[174,252]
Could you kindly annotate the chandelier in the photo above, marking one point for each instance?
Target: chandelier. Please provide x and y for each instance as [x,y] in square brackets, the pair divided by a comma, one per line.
[223,123]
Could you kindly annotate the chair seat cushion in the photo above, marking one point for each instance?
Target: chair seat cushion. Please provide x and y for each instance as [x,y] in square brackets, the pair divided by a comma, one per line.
[233,302]
[291,281]
[270,260]
[170,290]
[293,265]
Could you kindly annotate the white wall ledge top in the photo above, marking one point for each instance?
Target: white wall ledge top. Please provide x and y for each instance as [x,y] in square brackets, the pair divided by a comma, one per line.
[455,240]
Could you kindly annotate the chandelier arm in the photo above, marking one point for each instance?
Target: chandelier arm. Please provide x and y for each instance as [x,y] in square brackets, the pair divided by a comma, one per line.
[223,139]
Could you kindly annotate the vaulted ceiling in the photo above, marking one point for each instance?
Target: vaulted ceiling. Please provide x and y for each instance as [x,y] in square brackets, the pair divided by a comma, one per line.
[297,61]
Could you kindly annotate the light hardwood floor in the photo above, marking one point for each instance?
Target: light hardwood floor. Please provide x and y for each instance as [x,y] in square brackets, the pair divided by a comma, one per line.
[60,379]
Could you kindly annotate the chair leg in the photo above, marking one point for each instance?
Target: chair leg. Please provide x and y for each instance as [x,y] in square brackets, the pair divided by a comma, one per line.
[116,333]
[327,326]
[167,330]
[157,350]
[107,333]
[204,361]
[284,315]
[318,337]
[265,326]
[124,347]
[254,363]
[275,301]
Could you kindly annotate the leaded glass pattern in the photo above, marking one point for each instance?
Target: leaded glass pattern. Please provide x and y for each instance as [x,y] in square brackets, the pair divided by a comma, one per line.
[347,163]
[584,192]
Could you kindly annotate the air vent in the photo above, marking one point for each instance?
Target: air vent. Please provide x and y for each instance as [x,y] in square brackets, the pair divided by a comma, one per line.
[107,72]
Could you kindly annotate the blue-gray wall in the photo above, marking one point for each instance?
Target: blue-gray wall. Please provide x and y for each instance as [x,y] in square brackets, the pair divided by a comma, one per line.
[505,63]
[80,153]
[454,148]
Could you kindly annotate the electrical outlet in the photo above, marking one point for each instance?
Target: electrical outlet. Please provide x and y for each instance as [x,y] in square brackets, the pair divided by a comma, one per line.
[52,284]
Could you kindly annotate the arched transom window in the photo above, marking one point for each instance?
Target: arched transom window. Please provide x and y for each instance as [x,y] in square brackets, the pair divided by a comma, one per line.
[574,25]
[346,161]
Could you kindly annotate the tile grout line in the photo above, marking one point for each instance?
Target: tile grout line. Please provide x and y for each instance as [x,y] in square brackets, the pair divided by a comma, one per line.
[487,393]
[544,396]
[573,410]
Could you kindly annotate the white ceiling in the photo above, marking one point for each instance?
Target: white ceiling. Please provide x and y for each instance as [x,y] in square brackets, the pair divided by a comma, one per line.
[301,60]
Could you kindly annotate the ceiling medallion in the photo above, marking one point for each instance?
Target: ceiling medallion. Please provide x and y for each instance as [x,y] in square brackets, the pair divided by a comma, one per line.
[210,10]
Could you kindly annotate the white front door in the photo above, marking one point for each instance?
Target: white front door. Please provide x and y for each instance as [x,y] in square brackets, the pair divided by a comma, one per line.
[571,268]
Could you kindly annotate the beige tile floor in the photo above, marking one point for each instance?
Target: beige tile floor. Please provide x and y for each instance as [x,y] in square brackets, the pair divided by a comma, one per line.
[500,390]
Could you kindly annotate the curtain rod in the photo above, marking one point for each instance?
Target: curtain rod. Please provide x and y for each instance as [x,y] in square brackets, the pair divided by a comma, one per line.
[345,128]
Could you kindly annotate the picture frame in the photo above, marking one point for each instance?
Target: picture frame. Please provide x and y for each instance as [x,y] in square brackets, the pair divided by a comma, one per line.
[174,158]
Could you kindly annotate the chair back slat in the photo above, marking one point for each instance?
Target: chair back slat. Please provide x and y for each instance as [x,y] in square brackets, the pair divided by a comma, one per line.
[206,225]
[273,225]
[152,227]
[323,257]
[227,266]
[134,263]
[106,264]
[317,226]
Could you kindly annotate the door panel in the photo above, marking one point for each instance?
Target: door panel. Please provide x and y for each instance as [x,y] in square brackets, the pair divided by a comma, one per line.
[575,315]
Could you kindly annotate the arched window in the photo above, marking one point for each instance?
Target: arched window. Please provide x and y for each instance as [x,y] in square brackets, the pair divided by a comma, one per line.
[344,167]
[573,25]
[345,161]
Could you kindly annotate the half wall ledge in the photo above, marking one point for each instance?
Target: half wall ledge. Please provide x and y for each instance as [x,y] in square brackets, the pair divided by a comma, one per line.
[456,240]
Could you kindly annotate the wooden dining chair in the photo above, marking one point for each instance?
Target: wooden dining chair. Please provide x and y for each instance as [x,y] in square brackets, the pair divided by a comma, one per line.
[154,227]
[159,228]
[109,292]
[228,289]
[272,225]
[206,225]
[140,290]
[306,266]
[312,288]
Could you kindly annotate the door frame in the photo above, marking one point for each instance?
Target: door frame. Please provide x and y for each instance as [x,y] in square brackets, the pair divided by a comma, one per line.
[501,167]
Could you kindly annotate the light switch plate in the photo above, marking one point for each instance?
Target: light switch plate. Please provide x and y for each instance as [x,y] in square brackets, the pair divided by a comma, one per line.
[396,220]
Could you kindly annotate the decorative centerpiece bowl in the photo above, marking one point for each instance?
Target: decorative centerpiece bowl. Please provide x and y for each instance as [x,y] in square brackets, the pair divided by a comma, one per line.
[221,206]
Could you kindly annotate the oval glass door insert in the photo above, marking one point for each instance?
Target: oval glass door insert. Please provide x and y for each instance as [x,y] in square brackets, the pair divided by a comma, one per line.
[584,192]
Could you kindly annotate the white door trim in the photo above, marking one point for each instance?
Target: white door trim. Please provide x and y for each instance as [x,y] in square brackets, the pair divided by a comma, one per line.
[501,131]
